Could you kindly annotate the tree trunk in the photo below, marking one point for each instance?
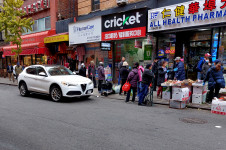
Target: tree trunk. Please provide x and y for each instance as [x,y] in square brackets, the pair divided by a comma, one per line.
[18,55]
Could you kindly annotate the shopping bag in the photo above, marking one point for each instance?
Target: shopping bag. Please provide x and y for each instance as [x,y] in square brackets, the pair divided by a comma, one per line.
[126,87]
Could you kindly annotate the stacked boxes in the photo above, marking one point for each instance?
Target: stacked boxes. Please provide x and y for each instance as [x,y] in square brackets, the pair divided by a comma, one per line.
[180,97]
[199,94]
[166,95]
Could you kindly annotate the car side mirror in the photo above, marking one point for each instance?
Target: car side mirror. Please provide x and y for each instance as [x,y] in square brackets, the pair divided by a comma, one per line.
[42,74]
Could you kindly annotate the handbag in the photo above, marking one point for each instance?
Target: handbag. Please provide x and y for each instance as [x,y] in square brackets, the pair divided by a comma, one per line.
[126,87]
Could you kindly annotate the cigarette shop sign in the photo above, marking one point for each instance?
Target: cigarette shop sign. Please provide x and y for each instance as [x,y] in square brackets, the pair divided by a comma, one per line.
[125,25]
[192,13]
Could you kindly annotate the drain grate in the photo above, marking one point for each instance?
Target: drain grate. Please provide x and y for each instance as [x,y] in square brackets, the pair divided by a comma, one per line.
[193,120]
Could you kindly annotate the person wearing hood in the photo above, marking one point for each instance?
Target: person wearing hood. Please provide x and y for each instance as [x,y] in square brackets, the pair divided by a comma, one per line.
[82,70]
[133,78]
[215,80]
[123,74]
[147,78]
[179,69]
[101,76]
[18,69]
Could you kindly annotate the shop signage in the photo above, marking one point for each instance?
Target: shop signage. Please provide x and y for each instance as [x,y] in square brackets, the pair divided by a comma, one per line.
[85,31]
[192,13]
[36,7]
[105,46]
[58,38]
[125,25]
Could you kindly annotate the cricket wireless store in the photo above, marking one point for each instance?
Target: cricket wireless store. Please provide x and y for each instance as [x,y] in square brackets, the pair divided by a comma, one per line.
[190,30]
[126,34]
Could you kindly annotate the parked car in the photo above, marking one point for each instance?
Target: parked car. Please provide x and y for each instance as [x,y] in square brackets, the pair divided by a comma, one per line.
[57,81]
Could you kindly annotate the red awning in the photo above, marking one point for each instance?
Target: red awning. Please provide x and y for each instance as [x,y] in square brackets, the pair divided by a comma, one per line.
[27,51]
[23,46]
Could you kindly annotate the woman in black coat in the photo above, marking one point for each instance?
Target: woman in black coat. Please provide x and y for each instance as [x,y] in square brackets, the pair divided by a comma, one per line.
[162,77]
[124,72]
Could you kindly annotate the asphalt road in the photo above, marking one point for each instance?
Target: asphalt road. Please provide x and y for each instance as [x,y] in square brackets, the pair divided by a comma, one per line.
[36,123]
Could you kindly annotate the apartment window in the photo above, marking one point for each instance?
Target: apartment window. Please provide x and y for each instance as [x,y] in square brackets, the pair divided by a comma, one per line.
[39,25]
[95,5]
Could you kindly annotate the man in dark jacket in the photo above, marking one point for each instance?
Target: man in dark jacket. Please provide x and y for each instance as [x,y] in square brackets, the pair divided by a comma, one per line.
[215,80]
[123,74]
[82,70]
[133,78]
[101,76]
[92,73]
[10,72]
[147,78]
[155,71]
[179,69]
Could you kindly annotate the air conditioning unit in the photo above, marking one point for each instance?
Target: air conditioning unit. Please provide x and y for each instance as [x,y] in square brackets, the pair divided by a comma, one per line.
[121,2]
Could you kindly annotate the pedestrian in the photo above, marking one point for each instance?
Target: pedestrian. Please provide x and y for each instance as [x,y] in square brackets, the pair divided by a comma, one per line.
[82,70]
[147,79]
[133,78]
[179,69]
[119,67]
[101,76]
[124,72]
[140,73]
[162,77]
[92,73]
[10,72]
[215,80]
[18,69]
[199,66]
[155,71]
[206,66]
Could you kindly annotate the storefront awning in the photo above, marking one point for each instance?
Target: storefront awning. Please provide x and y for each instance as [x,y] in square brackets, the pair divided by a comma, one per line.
[57,38]
[30,51]
[23,46]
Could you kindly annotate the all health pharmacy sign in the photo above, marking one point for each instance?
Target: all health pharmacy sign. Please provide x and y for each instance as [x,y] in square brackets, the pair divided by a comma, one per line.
[192,13]
[131,24]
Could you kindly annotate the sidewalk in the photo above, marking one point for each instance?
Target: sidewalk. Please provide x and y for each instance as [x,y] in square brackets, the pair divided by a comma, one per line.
[122,97]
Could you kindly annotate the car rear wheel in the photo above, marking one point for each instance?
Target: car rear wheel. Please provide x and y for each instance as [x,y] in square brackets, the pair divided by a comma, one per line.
[56,94]
[23,90]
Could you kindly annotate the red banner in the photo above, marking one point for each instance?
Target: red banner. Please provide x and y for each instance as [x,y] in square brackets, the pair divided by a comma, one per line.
[124,34]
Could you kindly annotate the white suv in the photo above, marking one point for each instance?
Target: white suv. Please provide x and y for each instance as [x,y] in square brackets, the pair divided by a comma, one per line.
[57,81]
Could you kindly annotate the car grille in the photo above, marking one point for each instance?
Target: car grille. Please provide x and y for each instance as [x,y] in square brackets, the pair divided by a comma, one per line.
[83,86]
[74,93]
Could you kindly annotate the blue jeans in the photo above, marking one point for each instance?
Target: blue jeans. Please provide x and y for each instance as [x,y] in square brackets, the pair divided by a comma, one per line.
[143,92]
[199,76]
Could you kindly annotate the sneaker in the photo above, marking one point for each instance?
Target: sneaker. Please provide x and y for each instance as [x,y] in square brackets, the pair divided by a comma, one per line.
[140,104]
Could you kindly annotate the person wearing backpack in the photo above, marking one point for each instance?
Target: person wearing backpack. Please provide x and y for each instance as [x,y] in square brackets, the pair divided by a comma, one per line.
[215,80]
[133,78]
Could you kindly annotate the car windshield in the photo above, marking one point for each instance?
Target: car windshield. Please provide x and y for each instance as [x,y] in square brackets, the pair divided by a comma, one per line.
[59,71]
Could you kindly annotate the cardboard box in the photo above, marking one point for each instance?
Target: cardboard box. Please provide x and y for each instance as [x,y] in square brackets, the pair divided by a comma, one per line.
[197,89]
[177,104]
[204,96]
[218,107]
[176,89]
[166,95]
[197,98]
[181,95]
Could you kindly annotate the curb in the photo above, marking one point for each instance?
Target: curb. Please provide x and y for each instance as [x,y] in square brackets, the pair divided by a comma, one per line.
[8,84]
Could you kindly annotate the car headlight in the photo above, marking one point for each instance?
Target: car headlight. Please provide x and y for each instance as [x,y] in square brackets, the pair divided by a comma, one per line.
[68,84]
[91,82]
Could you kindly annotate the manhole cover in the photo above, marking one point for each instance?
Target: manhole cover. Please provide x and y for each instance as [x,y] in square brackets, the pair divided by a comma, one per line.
[193,120]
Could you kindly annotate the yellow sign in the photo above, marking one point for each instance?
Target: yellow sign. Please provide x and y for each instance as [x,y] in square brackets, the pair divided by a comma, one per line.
[58,38]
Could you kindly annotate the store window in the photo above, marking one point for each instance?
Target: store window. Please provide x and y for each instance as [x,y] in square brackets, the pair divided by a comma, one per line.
[222,47]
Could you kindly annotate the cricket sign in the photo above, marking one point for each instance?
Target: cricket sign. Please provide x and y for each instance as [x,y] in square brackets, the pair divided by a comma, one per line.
[125,25]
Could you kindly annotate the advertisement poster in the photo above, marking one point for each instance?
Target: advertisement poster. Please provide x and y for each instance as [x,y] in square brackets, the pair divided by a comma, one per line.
[148,52]
[85,31]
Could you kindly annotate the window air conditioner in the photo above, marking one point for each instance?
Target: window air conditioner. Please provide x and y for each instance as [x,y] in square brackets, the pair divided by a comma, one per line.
[121,2]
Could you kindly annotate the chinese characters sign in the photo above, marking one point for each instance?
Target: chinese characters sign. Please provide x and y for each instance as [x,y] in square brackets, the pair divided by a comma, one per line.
[85,31]
[192,13]
[125,25]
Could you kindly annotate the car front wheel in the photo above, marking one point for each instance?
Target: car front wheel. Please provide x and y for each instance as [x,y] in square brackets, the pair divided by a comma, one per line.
[23,90]
[56,94]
